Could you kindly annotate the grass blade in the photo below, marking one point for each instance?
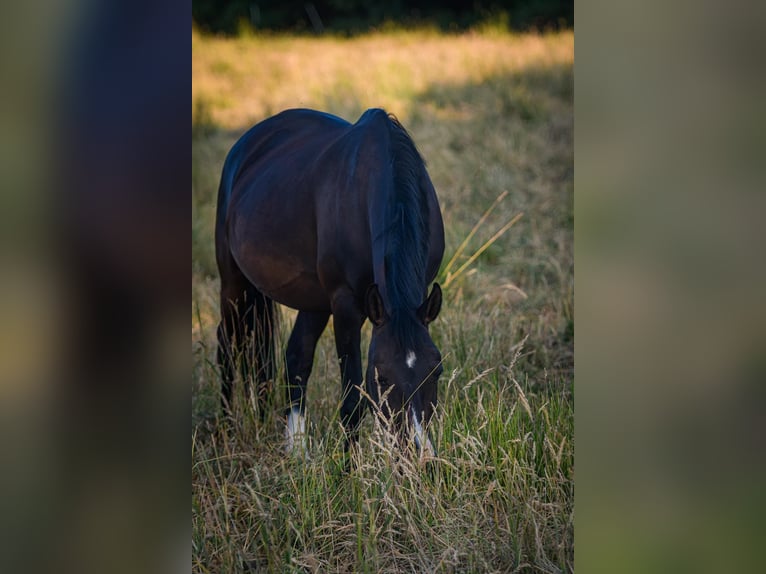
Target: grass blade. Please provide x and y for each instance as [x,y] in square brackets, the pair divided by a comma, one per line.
[461,247]
[481,250]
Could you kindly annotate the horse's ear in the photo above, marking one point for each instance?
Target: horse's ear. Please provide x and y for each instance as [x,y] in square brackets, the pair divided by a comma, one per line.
[374,307]
[429,310]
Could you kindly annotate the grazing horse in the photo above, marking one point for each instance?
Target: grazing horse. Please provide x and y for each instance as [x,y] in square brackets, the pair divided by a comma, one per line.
[332,218]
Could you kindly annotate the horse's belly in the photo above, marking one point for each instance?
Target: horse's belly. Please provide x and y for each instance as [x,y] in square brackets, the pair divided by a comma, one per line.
[275,248]
[283,279]
[303,292]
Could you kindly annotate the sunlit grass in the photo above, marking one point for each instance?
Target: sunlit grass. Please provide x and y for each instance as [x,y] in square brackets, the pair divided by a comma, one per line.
[247,79]
[492,115]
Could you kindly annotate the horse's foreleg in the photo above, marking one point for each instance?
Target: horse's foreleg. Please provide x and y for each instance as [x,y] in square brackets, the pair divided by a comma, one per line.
[347,321]
[299,360]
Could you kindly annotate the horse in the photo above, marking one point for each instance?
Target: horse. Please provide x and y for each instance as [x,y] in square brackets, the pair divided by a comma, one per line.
[341,219]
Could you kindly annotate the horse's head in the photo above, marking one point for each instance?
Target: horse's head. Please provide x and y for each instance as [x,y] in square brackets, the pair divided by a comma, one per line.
[404,366]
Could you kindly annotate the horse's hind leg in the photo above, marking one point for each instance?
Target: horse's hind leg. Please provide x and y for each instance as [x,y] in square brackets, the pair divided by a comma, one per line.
[299,360]
[245,337]
[263,327]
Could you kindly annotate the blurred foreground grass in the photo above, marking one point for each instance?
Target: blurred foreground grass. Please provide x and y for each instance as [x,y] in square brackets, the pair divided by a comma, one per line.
[490,113]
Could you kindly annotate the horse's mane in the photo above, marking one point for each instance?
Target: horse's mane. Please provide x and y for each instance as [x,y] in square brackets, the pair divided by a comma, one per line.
[407,233]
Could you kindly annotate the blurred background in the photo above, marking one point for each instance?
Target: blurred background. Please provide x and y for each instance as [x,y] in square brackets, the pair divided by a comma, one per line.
[670,279]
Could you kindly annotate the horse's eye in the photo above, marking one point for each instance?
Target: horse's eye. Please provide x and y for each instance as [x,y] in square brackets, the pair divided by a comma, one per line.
[379,380]
[383,382]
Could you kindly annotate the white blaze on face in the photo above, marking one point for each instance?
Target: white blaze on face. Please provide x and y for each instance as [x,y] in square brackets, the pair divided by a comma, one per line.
[411,358]
[421,437]
[296,430]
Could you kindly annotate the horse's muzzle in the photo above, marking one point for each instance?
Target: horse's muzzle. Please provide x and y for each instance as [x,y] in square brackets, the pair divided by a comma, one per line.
[422,440]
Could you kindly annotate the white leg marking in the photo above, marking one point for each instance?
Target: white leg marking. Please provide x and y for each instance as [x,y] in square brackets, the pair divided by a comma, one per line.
[421,437]
[411,358]
[295,431]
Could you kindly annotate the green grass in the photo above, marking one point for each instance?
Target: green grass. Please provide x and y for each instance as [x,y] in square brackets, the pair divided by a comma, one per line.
[490,113]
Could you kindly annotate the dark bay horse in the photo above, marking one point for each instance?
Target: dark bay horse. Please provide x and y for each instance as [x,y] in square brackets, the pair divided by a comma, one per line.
[329,217]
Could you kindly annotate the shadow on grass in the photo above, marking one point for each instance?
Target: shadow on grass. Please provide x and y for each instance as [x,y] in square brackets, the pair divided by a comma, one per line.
[526,95]
[511,132]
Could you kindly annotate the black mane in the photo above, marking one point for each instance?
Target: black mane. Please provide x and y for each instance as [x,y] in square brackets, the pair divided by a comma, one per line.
[407,233]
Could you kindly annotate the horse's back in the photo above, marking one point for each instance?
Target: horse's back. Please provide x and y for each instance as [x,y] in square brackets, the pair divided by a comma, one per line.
[271,138]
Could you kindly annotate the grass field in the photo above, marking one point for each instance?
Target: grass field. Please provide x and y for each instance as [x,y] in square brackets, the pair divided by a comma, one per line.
[491,113]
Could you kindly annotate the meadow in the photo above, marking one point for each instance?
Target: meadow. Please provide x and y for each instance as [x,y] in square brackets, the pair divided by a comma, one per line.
[492,114]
